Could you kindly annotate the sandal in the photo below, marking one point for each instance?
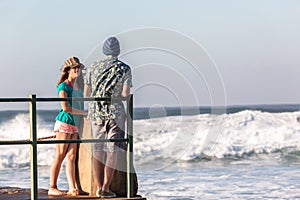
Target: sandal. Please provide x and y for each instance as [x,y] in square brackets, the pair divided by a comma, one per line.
[73,192]
[55,192]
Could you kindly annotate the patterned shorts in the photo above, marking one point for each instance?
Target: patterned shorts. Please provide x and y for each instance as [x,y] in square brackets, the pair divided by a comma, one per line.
[108,129]
[65,128]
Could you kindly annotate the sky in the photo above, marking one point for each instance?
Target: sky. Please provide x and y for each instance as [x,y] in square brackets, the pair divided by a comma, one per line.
[250,48]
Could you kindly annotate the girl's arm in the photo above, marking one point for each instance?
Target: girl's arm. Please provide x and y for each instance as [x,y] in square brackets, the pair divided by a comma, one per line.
[87,91]
[126,90]
[66,108]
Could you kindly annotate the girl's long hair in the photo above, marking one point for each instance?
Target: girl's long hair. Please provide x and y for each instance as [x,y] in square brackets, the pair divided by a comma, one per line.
[65,72]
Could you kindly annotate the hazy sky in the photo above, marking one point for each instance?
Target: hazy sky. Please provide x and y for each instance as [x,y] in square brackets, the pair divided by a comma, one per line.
[254,44]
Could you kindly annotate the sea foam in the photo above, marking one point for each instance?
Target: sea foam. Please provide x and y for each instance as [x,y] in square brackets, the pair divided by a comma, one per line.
[171,139]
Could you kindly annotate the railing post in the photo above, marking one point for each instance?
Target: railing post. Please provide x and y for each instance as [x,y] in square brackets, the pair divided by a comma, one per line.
[33,148]
[129,146]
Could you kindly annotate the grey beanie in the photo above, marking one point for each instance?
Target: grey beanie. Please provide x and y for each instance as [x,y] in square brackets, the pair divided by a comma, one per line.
[111,46]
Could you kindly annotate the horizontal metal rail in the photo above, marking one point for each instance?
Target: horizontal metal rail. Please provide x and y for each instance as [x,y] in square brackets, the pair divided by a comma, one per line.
[81,99]
[15,99]
[82,141]
[21,142]
[15,142]
[47,99]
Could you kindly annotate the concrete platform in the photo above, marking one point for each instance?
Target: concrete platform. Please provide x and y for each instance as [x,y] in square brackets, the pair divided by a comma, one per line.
[45,196]
[14,193]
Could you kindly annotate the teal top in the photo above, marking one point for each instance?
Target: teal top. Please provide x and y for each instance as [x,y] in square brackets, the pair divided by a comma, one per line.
[65,116]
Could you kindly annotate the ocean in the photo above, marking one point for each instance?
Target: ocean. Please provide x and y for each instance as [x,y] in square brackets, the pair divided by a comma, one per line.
[248,152]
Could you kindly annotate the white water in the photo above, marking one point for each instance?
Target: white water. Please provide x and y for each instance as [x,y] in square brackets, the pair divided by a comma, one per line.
[245,155]
[179,138]
[238,135]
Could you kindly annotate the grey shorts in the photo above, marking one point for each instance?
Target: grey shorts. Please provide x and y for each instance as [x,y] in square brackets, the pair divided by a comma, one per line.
[107,129]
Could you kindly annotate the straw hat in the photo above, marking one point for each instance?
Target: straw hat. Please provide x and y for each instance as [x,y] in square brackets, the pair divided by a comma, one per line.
[71,63]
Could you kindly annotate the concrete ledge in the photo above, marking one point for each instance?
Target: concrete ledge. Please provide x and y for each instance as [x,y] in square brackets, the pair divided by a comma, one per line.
[15,193]
[86,180]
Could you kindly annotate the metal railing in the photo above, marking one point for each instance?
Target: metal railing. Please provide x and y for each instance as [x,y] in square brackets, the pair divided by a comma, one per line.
[34,142]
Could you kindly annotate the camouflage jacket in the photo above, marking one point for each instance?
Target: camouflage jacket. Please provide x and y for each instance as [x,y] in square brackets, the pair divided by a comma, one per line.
[106,79]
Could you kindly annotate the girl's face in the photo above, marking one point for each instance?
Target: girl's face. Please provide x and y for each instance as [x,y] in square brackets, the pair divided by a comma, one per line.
[75,72]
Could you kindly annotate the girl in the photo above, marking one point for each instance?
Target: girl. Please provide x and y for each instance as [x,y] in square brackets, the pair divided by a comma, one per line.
[67,124]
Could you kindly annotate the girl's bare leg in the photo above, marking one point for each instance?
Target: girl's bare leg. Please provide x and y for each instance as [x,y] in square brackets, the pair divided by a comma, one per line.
[70,166]
[60,154]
